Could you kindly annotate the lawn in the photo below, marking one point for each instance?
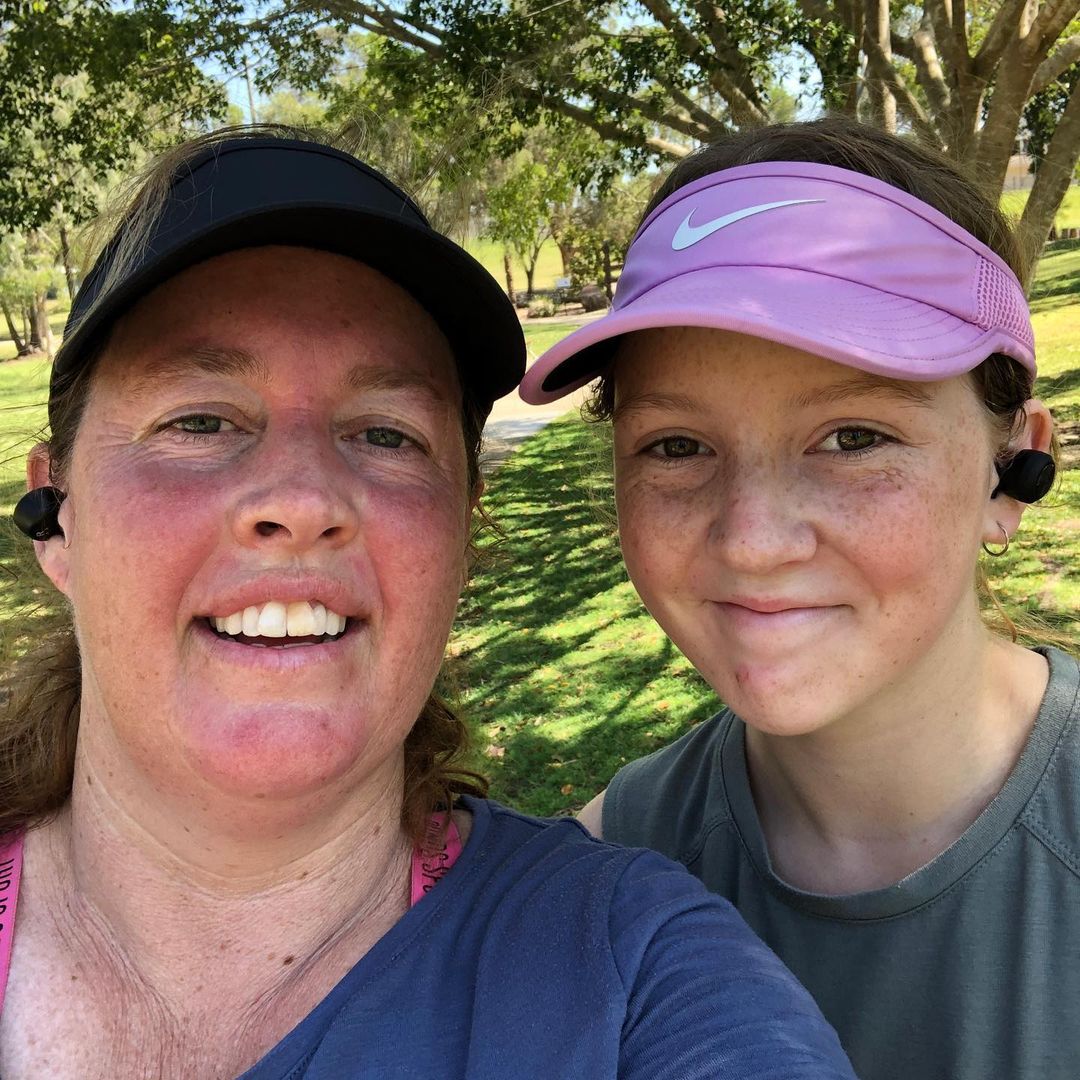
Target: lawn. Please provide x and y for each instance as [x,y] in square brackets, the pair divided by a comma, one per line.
[562,674]
[1067,217]
[548,265]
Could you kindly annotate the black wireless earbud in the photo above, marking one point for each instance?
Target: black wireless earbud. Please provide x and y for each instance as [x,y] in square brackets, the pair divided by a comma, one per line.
[1027,478]
[37,513]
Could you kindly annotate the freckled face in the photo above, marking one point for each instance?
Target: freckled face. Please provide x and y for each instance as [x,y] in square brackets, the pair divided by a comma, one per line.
[275,424]
[806,534]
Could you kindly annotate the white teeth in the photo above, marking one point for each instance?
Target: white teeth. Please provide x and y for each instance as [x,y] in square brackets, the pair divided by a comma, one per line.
[298,619]
[272,620]
[277,620]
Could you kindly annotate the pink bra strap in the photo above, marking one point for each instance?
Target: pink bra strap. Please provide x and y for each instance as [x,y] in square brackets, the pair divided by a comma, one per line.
[432,859]
[11,853]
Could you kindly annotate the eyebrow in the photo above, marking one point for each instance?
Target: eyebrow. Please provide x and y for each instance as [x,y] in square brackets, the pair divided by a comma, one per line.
[239,363]
[658,400]
[211,359]
[366,377]
[865,385]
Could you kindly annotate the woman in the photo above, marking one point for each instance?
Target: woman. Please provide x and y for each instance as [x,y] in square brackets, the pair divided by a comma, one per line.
[819,370]
[230,823]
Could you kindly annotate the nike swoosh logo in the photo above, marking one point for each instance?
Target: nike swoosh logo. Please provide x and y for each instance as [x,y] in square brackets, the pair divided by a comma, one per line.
[687,235]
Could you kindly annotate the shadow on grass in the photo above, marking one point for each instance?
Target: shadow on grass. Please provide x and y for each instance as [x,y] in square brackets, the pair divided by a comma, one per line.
[561,672]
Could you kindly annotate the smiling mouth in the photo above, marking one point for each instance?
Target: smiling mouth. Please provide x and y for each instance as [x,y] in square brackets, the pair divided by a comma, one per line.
[277,625]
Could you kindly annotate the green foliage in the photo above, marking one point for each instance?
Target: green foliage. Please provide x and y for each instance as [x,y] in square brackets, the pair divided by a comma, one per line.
[1043,111]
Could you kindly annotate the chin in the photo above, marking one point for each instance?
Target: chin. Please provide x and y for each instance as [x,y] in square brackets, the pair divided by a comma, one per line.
[779,699]
[275,752]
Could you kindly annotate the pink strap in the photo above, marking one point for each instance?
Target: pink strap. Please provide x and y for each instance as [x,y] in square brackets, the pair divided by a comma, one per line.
[432,859]
[11,853]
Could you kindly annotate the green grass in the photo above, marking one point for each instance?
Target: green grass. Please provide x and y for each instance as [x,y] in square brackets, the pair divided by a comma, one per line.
[562,673]
[1067,217]
[548,265]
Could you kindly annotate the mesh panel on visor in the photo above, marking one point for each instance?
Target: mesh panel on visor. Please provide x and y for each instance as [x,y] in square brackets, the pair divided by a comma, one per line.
[998,304]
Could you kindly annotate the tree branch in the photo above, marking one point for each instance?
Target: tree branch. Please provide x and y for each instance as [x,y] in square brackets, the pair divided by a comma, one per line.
[604,128]
[1003,30]
[928,70]
[1050,23]
[1055,65]
[735,68]
[711,127]
[1052,179]
[888,74]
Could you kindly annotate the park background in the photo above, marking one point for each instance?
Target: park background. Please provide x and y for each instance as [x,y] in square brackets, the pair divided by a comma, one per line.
[534,134]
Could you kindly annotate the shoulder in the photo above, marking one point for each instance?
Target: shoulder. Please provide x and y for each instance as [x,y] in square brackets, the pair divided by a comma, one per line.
[1053,814]
[667,800]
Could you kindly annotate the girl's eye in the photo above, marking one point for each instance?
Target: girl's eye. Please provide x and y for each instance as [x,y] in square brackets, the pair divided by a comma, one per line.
[852,440]
[677,446]
[201,424]
[386,437]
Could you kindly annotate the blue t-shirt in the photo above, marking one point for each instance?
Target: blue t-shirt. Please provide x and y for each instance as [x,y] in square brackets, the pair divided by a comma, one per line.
[544,953]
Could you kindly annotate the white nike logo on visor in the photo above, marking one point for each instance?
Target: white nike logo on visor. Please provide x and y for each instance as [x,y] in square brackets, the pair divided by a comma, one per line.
[687,235]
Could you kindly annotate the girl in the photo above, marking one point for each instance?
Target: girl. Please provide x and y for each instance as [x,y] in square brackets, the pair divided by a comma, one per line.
[819,371]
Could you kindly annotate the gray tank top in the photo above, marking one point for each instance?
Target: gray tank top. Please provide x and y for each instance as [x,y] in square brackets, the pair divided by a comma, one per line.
[968,969]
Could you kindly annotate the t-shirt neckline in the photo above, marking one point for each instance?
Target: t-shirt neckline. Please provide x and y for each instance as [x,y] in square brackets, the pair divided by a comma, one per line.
[947,869]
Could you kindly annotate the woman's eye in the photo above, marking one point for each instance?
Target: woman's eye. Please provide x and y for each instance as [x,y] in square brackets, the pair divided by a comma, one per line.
[201,424]
[677,446]
[386,437]
[852,440]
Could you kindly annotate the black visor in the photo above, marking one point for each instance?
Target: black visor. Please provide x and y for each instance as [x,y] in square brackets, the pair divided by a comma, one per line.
[251,192]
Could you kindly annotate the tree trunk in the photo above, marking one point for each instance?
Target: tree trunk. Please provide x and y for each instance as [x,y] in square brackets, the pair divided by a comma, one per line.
[13,333]
[1051,182]
[882,102]
[42,330]
[69,270]
[30,343]
[609,277]
[530,269]
[509,277]
[998,135]
[566,254]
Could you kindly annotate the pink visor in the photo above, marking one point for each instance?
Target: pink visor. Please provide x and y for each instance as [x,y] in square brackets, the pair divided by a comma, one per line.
[813,256]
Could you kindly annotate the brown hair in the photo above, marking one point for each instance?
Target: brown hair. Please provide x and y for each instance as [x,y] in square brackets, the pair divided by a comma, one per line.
[40,717]
[1002,384]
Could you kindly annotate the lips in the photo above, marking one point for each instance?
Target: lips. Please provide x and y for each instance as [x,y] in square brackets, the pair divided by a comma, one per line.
[774,616]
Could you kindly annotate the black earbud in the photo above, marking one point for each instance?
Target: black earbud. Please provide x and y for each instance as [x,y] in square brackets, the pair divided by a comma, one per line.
[37,513]
[1027,478]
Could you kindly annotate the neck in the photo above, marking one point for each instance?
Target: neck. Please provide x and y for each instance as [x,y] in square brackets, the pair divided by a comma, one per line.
[257,905]
[871,797]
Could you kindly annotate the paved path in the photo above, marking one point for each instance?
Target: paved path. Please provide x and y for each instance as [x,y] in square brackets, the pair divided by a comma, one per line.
[511,420]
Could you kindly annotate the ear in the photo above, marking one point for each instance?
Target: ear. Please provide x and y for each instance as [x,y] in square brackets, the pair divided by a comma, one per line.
[1036,433]
[52,554]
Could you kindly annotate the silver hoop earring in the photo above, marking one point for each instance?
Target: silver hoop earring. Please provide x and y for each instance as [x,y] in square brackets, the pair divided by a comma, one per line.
[1001,550]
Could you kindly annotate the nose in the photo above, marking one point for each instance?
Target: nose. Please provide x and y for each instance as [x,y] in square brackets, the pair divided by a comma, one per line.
[759,524]
[300,496]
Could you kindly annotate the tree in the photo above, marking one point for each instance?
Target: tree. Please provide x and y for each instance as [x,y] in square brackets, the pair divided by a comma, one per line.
[519,208]
[654,77]
[27,274]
